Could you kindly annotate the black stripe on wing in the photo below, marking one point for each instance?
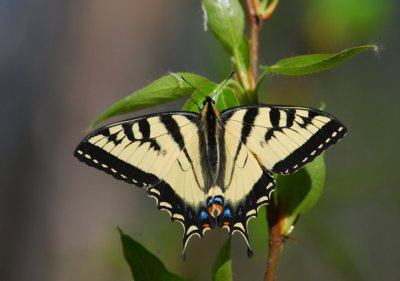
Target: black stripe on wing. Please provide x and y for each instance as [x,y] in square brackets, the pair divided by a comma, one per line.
[328,135]
[96,157]
[295,135]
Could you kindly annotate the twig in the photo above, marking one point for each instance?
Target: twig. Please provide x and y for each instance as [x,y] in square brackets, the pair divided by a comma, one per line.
[255,24]
[276,240]
[270,9]
[256,17]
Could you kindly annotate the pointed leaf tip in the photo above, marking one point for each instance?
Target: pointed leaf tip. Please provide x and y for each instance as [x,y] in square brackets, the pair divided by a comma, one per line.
[309,64]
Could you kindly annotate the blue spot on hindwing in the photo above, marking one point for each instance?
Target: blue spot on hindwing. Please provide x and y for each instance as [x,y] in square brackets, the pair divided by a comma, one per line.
[219,200]
[203,215]
[227,213]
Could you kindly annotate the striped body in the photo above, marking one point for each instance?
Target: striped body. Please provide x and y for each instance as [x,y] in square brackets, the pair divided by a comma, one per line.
[213,168]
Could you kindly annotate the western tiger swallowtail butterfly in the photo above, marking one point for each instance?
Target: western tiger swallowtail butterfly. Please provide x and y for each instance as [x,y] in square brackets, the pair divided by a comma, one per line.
[211,169]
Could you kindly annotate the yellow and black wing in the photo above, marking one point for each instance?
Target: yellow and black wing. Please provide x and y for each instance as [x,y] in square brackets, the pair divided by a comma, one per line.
[159,152]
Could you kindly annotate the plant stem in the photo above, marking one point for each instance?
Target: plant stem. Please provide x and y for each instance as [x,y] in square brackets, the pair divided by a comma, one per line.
[270,9]
[256,16]
[275,242]
[255,24]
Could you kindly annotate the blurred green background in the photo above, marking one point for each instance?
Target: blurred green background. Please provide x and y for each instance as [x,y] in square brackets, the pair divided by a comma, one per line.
[63,62]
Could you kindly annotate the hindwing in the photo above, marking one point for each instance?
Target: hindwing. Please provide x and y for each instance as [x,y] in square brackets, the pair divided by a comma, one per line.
[247,185]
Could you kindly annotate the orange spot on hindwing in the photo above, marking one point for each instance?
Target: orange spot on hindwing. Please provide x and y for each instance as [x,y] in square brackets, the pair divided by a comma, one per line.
[215,205]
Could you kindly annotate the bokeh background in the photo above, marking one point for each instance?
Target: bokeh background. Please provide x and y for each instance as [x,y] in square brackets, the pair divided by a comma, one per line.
[63,62]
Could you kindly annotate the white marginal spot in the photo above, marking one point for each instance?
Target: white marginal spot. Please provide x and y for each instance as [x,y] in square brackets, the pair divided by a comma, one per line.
[166,205]
[239,225]
[123,176]
[295,166]
[334,134]
[191,229]
[328,140]
[104,166]
[79,152]
[178,217]
[320,146]
[153,190]
[312,153]
[286,171]
[87,156]
[304,160]
[95,161]
[262,199]
[113,170]
[270,185]
[251,213]
[340,129]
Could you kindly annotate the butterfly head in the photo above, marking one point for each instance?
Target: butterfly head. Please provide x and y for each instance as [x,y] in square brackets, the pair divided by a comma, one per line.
[208,100]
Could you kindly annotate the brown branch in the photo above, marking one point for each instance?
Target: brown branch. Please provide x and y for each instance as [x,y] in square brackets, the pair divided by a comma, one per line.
[276,240]
[255,24]
[256,18]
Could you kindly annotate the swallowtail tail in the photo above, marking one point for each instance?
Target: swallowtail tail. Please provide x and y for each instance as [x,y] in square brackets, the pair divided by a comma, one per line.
[211,169]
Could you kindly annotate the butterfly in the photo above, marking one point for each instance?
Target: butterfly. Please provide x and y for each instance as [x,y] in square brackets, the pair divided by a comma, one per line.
[213,168]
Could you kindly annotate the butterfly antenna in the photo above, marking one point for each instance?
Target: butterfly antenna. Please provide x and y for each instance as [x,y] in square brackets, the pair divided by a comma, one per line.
[195,103]
[197,89]
[223,84]
[183,78]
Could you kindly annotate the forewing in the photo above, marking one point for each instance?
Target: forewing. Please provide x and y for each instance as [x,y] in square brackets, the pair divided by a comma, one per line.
[284,138]
[158,152]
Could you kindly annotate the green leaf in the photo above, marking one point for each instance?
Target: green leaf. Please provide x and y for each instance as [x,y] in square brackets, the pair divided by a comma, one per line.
[225,18]
[222,267]
[299,192]
[308,64]
[144,265]
[163,90]
[225,99]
